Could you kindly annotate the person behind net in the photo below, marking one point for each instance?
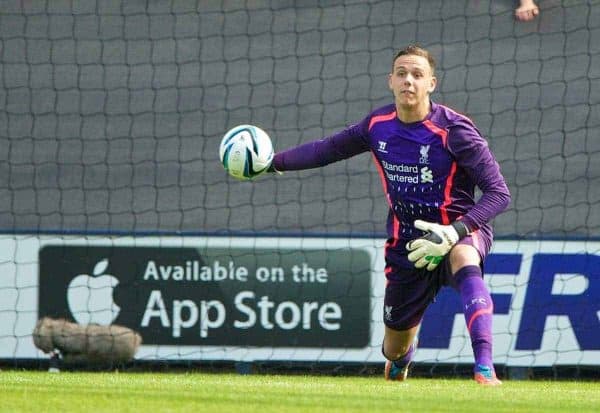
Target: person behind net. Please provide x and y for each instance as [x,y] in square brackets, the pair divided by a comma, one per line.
[430,159]
[527,10]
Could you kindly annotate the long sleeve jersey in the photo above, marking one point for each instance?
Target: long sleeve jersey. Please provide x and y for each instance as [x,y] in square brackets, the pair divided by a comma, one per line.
[429,170]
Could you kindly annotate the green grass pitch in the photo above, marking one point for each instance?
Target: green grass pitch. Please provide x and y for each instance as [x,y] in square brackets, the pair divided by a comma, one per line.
[35,391]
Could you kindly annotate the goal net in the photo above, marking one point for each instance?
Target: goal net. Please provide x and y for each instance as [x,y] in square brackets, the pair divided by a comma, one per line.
[114,207]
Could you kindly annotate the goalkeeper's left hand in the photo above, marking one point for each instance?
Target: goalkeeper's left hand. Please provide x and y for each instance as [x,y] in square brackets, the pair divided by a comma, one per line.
[430,249]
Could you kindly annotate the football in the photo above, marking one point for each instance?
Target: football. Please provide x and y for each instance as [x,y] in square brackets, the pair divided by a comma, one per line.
[246,151]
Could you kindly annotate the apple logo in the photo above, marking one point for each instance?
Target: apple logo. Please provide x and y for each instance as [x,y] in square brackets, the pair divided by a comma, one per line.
[90,298]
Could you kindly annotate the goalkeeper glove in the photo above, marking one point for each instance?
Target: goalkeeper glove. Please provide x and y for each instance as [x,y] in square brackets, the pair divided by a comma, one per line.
[430,249]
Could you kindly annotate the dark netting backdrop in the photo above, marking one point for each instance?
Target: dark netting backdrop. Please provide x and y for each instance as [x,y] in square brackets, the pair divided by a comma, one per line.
[112,111]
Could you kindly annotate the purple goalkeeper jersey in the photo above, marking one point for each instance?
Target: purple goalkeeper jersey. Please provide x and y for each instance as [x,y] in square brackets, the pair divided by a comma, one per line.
[428,169]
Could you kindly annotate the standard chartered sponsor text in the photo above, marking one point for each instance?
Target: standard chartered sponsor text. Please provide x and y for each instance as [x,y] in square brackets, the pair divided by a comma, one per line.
[392,167]
[401,172]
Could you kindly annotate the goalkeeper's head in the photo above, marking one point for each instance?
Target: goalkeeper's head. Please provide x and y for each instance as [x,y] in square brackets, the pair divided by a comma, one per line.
[412,80]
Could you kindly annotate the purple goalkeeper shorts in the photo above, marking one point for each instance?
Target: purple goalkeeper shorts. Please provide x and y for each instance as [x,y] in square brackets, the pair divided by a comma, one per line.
[409,291]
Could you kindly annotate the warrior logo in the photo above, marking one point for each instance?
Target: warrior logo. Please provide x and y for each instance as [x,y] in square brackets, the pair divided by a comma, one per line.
[382,146]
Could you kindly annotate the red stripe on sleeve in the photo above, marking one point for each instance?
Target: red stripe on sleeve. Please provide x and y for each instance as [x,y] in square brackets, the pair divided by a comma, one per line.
[387,197]
[443,134]
[447,197]
[381,118]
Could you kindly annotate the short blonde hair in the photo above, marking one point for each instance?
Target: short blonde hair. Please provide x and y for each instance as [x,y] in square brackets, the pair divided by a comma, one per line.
[416,51]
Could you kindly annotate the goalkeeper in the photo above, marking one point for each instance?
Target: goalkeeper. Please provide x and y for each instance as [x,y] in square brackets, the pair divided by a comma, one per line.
[430,159]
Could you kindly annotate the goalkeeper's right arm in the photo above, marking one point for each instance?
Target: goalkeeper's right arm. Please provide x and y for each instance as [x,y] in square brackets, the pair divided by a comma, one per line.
[315,154]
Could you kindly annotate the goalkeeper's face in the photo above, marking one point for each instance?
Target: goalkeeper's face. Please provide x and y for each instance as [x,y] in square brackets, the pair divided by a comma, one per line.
[412,81]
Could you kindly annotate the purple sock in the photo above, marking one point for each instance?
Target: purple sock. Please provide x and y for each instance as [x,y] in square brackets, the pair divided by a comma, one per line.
[405,359]
[478,309]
